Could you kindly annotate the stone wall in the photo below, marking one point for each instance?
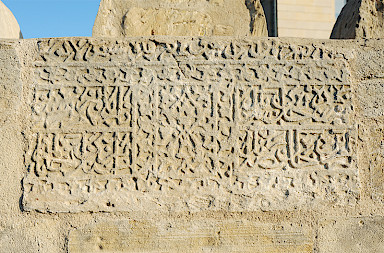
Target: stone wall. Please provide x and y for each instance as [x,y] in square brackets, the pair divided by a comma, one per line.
[168,144]
[305,18]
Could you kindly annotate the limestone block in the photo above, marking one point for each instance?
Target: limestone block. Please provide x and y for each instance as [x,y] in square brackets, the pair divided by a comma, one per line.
[355,235]
[10,137]
[191,236]
[376,165]
[372,157]
[9,28]
[123,18]
[360,19]
[371,98]
[18,232]
[190,124]
[369,59]
[30,234]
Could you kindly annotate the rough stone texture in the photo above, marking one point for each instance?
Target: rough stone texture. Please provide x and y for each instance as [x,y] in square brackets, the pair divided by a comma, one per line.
[124,18]
[369,89]
[198,236]
[189,126]
[19,232]
[371,117]
[194,144]
[9,28]
[355,235]
[360,19]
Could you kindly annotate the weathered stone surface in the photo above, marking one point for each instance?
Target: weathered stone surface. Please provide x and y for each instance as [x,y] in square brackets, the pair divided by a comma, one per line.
[189,125]
[362,234]
[9,28]
[370,97]
[197,236]
[11,149]
[360,19]
[376,166]
[369,60]
[18,232]
[123,18]
[203,144]
[372,155]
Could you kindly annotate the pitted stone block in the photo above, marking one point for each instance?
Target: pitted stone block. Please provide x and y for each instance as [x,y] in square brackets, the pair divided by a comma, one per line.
[353,234]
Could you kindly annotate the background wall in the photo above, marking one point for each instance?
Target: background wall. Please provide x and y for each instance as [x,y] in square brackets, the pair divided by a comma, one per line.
[306,18]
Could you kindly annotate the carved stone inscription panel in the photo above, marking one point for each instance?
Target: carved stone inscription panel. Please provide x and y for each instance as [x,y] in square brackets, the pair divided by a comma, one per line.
[189,124]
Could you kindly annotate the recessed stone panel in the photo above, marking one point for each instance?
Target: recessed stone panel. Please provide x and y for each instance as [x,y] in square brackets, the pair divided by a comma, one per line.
[188,125]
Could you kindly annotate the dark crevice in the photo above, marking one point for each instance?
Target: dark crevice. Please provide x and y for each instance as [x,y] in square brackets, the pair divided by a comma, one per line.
[252,13]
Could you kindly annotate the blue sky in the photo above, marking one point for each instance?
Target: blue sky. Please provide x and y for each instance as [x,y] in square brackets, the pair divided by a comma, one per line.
[338,6]
[54,18]
[62,18]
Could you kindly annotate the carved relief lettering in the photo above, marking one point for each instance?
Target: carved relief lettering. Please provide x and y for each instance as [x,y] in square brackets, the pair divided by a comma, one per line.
[189,124]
